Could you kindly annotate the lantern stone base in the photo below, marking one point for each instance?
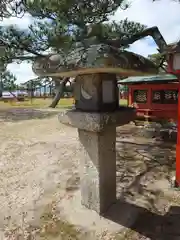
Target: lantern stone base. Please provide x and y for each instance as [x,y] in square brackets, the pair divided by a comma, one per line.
[97,136]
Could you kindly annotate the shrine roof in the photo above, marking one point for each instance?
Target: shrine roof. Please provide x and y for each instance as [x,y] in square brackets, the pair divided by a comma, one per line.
[173,47]
[161,78]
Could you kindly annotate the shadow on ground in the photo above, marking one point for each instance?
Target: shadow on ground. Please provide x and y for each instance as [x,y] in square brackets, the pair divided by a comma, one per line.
[148,225]
[144,169]
[20,114]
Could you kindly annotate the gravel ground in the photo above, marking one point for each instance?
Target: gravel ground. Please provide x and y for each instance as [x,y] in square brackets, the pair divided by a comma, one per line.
[39,167]
[36,156]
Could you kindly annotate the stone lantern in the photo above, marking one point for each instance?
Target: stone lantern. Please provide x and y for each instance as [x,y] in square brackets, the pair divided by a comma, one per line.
[97,112]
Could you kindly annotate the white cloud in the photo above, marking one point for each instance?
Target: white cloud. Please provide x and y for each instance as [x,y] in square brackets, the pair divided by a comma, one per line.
[141,47]
[22,23]
[162,13]
[23,71]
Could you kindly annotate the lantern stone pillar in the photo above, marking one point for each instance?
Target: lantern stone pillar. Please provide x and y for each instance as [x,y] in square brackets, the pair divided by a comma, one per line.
[96,116]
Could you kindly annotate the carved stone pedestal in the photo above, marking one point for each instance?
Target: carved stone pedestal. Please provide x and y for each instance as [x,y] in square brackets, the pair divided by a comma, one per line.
[98,169]
[97,136]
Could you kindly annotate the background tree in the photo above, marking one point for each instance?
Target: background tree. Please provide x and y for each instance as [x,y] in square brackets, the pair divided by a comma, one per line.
[159,60]
[7,82]
[60,25]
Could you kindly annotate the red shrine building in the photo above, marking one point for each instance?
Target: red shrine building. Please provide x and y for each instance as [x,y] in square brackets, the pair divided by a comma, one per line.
[154,97]
[157,96]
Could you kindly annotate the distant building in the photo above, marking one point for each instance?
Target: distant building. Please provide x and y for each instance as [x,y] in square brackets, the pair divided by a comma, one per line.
[13,94]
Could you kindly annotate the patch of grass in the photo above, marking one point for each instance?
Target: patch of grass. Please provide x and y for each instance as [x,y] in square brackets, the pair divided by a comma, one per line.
[43,103]
[38,103]
[123,102]
[49,227]
[54,228]
[128,235]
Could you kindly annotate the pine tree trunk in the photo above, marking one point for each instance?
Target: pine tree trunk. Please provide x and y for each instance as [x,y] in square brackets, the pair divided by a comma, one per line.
[60,86]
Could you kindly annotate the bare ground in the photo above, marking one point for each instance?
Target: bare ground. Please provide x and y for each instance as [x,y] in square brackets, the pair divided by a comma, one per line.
[39,176]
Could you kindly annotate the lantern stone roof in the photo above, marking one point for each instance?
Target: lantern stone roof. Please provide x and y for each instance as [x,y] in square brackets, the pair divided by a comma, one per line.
[161,78]
[94,58]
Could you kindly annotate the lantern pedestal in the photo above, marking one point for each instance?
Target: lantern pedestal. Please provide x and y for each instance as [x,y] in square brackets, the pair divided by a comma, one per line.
[97,137]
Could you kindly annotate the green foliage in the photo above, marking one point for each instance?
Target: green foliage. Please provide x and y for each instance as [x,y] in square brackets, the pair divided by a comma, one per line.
[8,80]
[10,8]
[117,31]
[59,25]
[159,60]
[156,57]
[74,12]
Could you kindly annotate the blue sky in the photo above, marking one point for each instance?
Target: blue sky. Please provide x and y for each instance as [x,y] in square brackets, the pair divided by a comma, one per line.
[163,13]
